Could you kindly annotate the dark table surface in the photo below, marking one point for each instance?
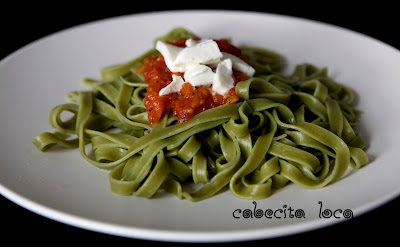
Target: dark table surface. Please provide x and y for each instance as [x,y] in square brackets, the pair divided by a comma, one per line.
[24,23]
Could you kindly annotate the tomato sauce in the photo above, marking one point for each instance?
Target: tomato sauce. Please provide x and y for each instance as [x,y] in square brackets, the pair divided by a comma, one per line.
[191,100]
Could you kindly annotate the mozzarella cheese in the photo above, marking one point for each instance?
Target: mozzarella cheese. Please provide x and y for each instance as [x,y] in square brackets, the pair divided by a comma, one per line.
[191,42]
[169,52]
[199,75]
[223,77]
[196,61]
[239,65]
[204,52]
[174,87]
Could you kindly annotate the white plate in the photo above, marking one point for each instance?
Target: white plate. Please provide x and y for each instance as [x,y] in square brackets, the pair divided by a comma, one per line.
[60,185]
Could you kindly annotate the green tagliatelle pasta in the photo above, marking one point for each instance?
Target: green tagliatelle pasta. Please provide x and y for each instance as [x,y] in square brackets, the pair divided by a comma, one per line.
[297,128]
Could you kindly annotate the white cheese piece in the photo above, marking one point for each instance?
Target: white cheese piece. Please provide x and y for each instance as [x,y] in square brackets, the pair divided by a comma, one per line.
[239,65]
[204,52]
[174,87]
[191,42]
[199,75]
[223,77]
[169,52]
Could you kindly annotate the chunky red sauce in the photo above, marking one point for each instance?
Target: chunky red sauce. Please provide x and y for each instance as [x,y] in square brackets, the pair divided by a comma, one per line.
[191,100]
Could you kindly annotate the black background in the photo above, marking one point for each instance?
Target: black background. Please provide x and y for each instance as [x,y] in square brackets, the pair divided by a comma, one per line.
[22,24]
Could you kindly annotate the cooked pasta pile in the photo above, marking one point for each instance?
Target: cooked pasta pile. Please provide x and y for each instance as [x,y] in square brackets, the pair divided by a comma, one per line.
[297,128]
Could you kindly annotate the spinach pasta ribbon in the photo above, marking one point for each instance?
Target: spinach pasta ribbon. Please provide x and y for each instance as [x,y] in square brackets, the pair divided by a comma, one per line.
[298,128]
